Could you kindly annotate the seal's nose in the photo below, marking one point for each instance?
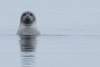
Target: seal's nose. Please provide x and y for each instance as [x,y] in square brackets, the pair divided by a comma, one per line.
[27,17]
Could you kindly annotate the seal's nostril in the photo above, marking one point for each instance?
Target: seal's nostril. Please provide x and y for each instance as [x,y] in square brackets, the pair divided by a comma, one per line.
[27,17]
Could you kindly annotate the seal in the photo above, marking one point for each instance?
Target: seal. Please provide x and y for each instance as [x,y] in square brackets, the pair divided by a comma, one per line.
[28,25]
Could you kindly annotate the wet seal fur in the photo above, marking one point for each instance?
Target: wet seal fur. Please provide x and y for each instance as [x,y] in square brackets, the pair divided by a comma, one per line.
[28,25]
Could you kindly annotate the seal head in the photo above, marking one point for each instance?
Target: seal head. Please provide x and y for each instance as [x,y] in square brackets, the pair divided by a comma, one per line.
[28,18]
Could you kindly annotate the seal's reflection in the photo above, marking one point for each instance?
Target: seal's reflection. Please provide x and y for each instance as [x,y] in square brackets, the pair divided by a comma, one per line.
[28,46]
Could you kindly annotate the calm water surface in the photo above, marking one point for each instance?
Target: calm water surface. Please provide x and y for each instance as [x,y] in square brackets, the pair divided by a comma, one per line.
[50,51]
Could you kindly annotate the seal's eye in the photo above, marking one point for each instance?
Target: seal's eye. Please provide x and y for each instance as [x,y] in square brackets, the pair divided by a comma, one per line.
[24,14]
[31,14]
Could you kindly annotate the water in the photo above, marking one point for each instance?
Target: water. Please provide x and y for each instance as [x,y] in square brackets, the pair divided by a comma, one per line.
[70,34]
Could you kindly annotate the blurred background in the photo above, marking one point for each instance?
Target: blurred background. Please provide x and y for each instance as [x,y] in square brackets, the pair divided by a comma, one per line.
[54,16]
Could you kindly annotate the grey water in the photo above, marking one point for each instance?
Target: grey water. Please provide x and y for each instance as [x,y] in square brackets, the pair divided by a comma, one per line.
[70,34]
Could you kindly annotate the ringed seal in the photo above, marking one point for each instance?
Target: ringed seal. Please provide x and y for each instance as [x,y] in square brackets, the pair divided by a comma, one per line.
[28,25]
